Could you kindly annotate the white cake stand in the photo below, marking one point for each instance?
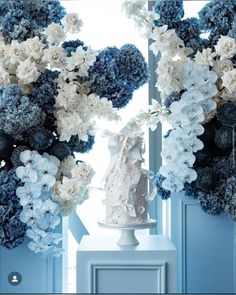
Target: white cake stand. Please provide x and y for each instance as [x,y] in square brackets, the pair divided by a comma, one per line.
[127,237]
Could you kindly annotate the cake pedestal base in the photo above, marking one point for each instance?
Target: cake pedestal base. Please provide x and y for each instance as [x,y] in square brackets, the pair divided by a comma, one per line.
[127,237]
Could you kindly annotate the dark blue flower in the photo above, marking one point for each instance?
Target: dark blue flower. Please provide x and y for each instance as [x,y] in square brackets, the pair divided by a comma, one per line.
[209,134]
[206,179]
[191,190]
[15,157]
[174,96]
[45,89]
[230,208]
[224,137]
[114,79]
[132,66]
[12,230]
[170,12]
[71,46]
[226,114]
[232,32]
[23,19]
[217,14]
[40,138]
[211,203]
[163,193]
[79,146]
[61,150]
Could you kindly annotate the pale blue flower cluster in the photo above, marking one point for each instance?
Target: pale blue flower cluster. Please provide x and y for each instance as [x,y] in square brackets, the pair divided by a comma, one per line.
[40,213]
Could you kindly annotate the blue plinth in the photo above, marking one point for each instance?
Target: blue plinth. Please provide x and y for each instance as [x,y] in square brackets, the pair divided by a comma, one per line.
[105,267]
[206,247]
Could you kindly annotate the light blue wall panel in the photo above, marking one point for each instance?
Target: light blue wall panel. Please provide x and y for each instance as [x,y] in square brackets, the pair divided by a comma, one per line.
[206,248]
[39,275]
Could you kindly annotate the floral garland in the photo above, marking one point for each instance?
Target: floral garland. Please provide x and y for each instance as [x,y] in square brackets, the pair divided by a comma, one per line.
[196,80]
[52,92]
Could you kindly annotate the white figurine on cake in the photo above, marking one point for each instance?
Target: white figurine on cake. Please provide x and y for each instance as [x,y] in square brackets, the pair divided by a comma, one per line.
[126,182]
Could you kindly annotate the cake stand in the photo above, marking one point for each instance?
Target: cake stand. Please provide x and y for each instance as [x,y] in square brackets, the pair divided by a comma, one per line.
[127,237]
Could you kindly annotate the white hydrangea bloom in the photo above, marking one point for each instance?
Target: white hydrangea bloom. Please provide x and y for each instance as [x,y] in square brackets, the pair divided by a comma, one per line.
[27,72]
[133,7]
[229,80]
[4,77]
[17,52]
[81,60]
[206,57]
[55,33]
[55,56]
[221,66]
[72,23]
[34,47]
[83,173]
[4,51]
[169,78]
[226,47]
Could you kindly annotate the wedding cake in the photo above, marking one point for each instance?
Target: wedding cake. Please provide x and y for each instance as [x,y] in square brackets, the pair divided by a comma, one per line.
[126,182]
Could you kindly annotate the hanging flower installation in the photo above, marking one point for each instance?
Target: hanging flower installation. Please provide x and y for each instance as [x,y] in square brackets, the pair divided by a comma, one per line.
[51,93]
[196,80]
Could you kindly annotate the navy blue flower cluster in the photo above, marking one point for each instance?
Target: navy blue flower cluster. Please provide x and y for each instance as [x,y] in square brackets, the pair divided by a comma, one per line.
[116,73]
[12,230]
[22,19]
[216,18]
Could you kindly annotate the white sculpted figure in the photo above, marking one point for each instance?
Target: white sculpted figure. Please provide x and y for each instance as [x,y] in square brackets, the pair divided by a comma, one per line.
[126,181]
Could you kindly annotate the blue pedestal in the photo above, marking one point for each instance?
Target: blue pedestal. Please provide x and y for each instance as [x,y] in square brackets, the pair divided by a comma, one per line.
[105,267]
[206,247]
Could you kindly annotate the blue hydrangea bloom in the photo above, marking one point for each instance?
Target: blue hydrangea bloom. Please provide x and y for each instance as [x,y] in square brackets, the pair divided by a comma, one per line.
[110,75]
[71,46]
[209,134]
[211,203]
[217,16]
[15,156]
[217,13]
[40,138]
[226,114]
[22,19]
[132,66]
[79,146]
[230,208]
[61,150]
[170,12]
[12,230]
[232,32]
[224,137]
[206,180]
[164,194]
[191,190]
[188,28]
[46,11]
[45,89]
[19,115]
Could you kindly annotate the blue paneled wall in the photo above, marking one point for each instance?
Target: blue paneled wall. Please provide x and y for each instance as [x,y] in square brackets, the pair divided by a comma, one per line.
[39,275]
[206,247]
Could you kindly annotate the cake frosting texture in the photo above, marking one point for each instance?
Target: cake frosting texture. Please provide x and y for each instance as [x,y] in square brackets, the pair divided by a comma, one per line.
[126,181]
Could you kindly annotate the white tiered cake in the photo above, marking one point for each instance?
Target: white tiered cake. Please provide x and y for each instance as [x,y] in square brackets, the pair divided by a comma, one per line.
[126,183]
